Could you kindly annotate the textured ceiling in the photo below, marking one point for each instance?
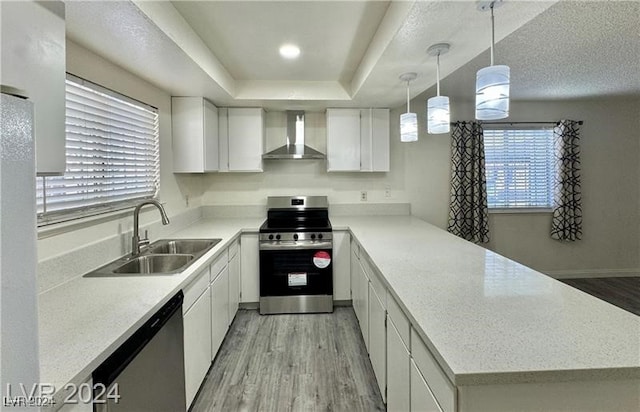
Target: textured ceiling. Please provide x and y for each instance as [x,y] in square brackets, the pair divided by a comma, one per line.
[353,52]
[573,50]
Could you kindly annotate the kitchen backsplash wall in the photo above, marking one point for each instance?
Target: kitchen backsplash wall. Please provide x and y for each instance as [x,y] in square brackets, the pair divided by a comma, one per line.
[309,177]
[610,139]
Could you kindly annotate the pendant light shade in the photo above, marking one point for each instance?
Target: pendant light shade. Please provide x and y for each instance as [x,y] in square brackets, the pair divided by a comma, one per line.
[492,82]
[438,113]
[492,93]
[408,127]
[408,120]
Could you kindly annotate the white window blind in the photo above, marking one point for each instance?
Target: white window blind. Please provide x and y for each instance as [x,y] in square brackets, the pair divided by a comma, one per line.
[112,154]
[519,165]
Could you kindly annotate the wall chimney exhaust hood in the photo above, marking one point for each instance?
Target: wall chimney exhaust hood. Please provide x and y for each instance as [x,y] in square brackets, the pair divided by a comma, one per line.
[294,148]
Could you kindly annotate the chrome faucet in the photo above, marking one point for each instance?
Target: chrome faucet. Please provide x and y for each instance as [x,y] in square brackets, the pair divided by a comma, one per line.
[136,241]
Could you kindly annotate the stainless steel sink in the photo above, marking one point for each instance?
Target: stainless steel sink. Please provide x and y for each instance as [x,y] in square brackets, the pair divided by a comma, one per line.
[163,257]
[154,264]
[190,246]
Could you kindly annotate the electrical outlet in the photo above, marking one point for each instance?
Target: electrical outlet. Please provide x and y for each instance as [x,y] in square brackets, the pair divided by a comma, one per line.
[387,191]
[363,196]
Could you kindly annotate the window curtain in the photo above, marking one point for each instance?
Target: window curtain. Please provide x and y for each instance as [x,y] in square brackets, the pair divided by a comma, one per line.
[567,212]
[468,212]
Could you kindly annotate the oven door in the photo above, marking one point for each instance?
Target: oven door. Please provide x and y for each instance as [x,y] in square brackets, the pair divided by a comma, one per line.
[296,271]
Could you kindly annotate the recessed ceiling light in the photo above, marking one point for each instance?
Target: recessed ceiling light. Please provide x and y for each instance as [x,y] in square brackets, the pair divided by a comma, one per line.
[289,51]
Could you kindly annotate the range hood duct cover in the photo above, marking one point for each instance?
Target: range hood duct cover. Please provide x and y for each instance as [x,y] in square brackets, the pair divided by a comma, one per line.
[294,148]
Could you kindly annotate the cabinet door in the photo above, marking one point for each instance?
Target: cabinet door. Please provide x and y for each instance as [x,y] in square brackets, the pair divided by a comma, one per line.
[234,286]
[197,344]
[377,339]
[398,373]
[246,130]
[219,310]
[341,266]
[211,158]
[194,127]
[34,60]
[363,303]
[374,140]
[421,397]
[249,268]
[343,140]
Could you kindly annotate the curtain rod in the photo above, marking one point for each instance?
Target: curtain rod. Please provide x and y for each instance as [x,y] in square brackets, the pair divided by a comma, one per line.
[580,122]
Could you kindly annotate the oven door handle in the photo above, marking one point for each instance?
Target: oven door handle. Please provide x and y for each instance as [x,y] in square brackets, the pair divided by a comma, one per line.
[295,245]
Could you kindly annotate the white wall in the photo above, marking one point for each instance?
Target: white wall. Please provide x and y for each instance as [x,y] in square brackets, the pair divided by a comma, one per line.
[308,177]
[174,189]
[610,140]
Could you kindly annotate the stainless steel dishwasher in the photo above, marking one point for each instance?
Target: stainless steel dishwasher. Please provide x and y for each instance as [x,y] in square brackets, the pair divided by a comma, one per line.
[146,373]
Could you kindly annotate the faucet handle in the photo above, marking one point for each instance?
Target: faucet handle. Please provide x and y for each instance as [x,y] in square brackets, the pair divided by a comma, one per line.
[146,235]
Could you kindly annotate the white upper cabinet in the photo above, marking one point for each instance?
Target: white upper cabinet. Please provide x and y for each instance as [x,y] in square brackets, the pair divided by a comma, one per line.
[358,140]
[343,140]
[34,61]
[194,124]
[374,140]
[208,139]
[242,134]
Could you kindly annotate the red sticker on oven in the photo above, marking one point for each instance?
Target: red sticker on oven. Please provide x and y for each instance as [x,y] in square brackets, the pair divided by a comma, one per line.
[321,259]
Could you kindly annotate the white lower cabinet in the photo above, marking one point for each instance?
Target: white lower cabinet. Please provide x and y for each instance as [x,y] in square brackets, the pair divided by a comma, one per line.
[398,359]
[341,267]
[361,301]
[377,339]
[249,268]
[219,310]
[234,283]
[422,399]
[197,344]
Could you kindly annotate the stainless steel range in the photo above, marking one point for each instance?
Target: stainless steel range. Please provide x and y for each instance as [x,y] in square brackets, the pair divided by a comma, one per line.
[296,252]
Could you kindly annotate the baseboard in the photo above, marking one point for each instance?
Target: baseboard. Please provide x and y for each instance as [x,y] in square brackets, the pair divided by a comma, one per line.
[593,273]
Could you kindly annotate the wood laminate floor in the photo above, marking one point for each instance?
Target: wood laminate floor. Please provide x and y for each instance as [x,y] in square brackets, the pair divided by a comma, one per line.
[310,362]
[623,292]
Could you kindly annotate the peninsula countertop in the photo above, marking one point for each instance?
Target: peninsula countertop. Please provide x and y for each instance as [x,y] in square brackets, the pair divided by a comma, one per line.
[488,319]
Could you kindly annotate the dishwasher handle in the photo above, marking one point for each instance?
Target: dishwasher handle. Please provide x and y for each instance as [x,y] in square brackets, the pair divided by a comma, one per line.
[109,370]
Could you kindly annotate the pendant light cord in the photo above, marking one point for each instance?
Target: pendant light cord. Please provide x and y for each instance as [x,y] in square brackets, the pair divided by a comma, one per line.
[408,99]
[438,74]
[493,33]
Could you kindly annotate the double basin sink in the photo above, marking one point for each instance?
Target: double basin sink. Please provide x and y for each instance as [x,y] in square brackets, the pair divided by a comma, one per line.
[163,257]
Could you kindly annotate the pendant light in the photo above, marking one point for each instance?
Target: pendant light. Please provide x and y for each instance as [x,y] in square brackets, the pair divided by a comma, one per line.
[408,120]
[492,83]
[438,114]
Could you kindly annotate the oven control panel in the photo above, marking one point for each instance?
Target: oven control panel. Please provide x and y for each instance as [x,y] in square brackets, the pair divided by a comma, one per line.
[296,236]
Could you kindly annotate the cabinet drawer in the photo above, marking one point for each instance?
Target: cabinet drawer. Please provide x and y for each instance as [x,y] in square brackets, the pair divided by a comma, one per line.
[399,320]
[194,289]
[438,383]
[233,248]
[219,264]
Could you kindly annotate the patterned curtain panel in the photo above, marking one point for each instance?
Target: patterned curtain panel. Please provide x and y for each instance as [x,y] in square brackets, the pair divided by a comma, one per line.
[567,212]
[468,212]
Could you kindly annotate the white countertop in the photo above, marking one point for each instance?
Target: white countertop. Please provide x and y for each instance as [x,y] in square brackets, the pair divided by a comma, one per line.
[83,321]
[486,318]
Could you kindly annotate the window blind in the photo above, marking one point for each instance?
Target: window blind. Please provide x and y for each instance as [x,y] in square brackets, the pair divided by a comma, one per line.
[519,167]
[112,154]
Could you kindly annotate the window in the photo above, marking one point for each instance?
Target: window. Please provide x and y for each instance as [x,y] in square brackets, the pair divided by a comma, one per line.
[519,166]
[112,154]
